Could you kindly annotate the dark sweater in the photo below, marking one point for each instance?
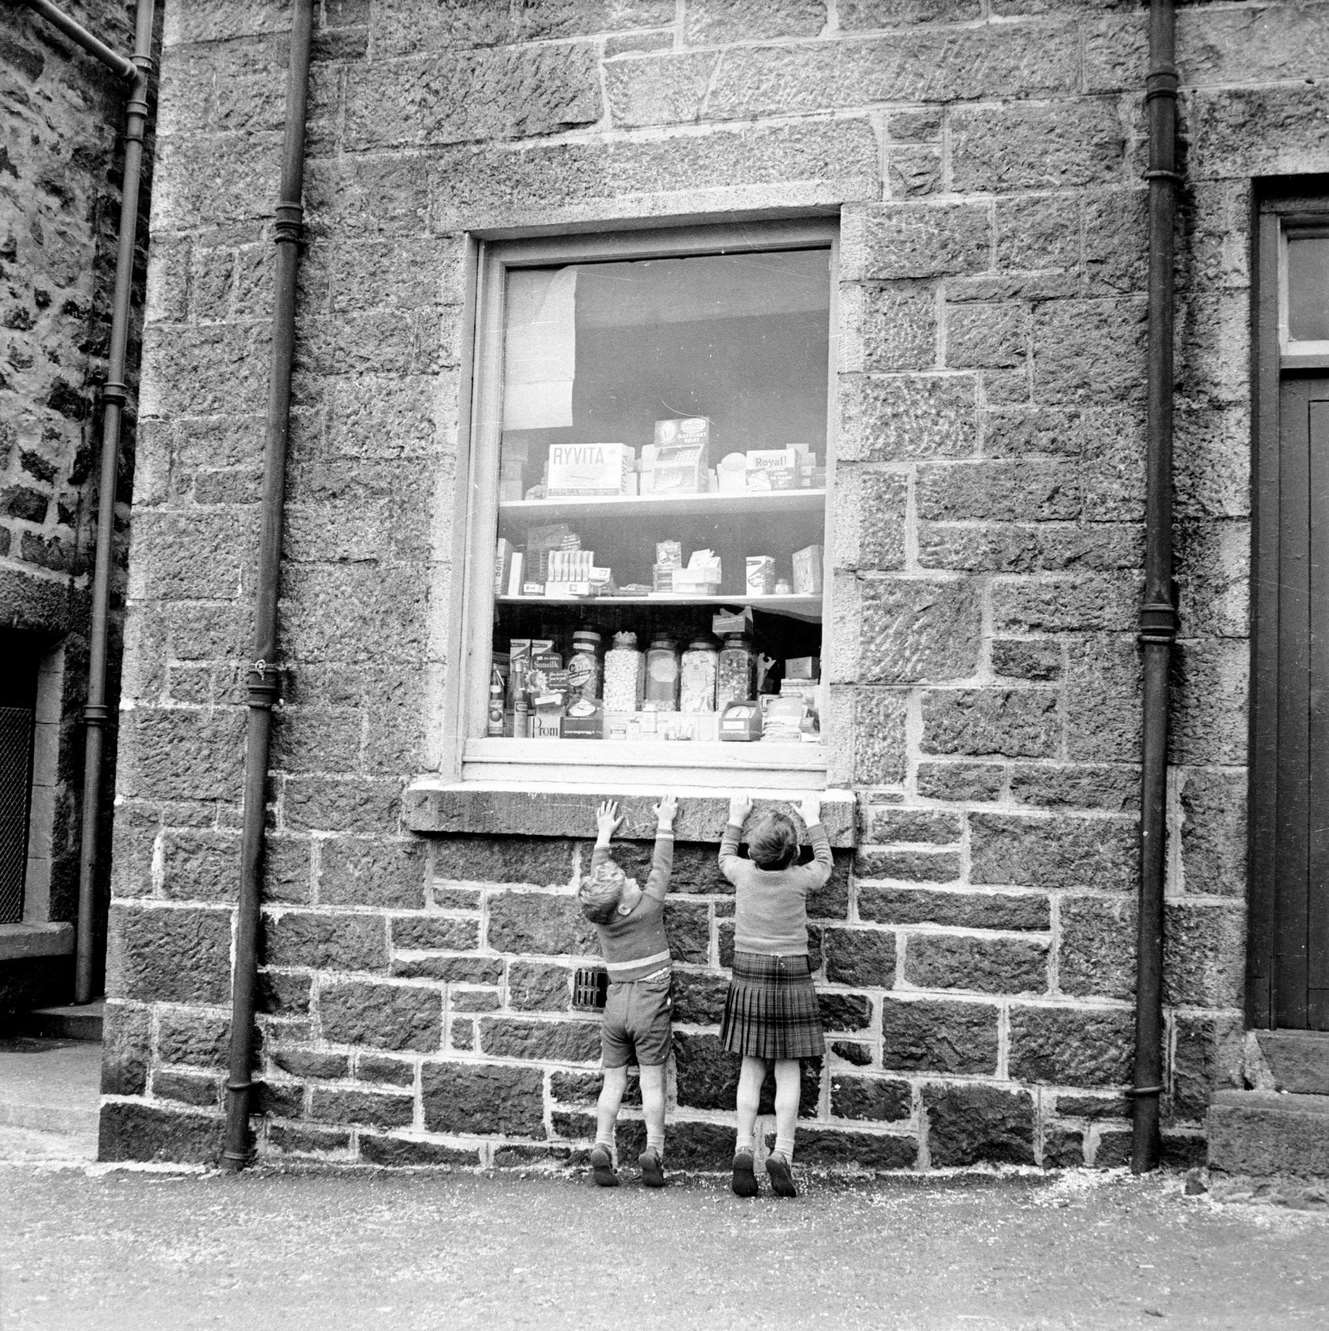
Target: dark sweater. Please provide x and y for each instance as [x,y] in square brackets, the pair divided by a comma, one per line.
[634,944]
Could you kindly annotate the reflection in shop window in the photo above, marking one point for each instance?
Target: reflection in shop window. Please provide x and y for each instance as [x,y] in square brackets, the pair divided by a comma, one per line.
[661,497]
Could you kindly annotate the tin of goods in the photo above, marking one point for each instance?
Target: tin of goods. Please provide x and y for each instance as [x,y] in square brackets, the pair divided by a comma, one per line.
[741,722]
[697,676]
[661,694]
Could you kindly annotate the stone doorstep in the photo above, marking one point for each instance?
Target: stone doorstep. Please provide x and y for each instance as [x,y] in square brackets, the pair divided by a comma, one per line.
[70,1021]
[1299,1060]
[1265,1133]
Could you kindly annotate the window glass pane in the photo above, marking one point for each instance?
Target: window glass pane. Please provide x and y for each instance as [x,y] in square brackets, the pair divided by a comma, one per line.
[661,499]
[1308,288]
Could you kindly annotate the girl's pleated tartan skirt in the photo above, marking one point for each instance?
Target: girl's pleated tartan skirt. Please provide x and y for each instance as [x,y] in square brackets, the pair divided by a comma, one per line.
[771,1008]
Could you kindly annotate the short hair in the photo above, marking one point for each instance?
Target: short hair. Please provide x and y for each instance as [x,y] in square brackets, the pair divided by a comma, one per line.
[774,841]
[601,892]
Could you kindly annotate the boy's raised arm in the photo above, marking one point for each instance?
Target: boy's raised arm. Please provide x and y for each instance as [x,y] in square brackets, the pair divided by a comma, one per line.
[607,820]
[662,861]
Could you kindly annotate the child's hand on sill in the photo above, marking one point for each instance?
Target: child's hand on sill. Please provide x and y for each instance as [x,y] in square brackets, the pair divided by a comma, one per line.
[607,820]
[664,812]
[809,810]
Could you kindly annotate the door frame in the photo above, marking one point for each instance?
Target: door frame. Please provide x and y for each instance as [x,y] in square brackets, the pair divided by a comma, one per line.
[1280,208]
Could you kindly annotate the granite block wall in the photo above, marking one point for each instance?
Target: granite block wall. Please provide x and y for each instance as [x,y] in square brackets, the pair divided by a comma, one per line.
[61,115]
[975,948]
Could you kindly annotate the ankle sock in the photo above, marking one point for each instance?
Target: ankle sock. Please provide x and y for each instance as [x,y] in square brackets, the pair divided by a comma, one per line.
[785,1146]
[655,1144]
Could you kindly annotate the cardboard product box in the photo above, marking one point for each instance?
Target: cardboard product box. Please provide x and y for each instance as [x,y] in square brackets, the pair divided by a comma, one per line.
[802,668]
[547,718]
[760,575]
[589,469]
[583,725]
[696,582]
[741,722]
[807,570]
[684,430]
[769,459]
[676,470]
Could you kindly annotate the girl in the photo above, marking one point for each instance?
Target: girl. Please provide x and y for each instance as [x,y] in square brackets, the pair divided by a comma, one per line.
[770,1012]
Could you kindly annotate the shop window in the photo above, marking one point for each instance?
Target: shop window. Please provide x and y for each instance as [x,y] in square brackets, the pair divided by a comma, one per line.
[650,467]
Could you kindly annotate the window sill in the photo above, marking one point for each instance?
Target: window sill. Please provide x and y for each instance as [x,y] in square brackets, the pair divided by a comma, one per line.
[693,763]
[21,941]
[432,806]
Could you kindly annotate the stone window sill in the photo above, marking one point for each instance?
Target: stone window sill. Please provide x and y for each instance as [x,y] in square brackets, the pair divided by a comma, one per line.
[434,807]
[20,941]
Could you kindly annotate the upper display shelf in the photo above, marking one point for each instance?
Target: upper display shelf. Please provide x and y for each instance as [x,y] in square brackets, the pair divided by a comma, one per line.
[718,502]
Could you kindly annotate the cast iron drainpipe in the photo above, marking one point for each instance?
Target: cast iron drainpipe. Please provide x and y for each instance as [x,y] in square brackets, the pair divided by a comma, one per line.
[1158,612]
[95,711]
[287,233]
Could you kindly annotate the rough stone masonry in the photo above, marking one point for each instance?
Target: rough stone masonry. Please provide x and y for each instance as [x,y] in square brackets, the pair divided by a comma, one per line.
[60,116]
[974,948]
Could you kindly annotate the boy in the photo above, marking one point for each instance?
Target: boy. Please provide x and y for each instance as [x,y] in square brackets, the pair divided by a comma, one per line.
[630,922]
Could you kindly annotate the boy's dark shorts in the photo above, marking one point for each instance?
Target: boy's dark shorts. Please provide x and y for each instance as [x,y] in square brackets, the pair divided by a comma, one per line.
[637,1021]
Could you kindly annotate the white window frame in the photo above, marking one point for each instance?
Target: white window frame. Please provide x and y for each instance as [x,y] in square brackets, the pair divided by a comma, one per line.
[469,756]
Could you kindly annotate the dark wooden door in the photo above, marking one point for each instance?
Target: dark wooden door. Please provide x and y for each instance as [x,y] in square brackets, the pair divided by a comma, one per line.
[1290,730]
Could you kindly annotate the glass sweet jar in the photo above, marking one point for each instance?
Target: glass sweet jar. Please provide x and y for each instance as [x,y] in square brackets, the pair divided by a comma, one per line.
[661,693]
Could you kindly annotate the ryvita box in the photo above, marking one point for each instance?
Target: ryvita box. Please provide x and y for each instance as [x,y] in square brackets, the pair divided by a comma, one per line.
[589,469]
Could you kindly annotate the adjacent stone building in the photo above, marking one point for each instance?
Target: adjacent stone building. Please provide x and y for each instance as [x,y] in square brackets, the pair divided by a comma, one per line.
[981,164]
[61,117]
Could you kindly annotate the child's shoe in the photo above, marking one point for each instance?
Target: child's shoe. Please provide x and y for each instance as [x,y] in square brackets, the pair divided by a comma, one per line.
[777,1170]
[602,1168]
[744,1181]
[652,1169]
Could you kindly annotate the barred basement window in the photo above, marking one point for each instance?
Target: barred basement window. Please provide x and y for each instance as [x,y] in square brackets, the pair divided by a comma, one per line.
[649,471]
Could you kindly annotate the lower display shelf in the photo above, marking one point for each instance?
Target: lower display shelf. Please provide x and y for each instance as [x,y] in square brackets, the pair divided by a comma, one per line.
[710,763]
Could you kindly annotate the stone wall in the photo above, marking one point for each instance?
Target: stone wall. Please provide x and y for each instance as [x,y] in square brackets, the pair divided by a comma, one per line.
[975,950]
[61,115]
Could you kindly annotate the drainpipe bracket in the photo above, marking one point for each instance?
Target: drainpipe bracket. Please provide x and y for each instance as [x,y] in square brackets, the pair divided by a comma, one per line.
[1158,622]
[112,391]
[264,685]
[1161,81]
[288,223]
[96,714]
